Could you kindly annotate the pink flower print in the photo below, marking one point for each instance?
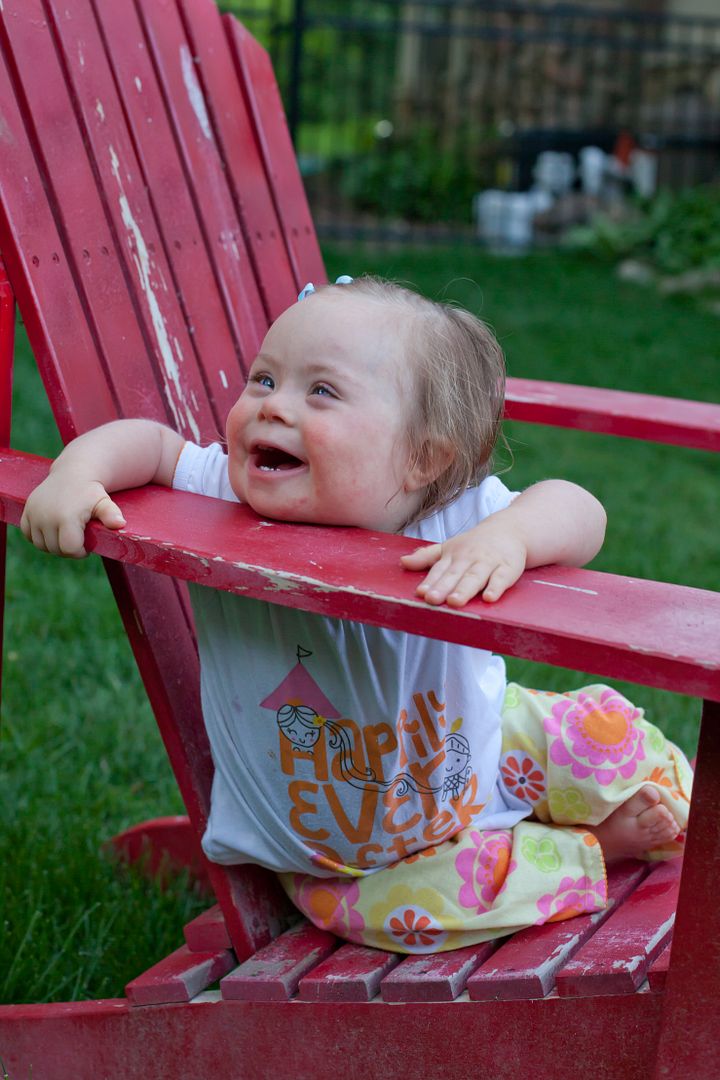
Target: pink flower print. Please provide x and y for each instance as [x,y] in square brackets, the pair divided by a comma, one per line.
[414,929]
[523,777]
[484,868]
[572,898]
[328,903]
[596,737]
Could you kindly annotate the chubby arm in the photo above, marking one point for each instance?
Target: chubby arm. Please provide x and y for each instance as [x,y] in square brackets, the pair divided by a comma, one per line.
[551,522]
[123,454]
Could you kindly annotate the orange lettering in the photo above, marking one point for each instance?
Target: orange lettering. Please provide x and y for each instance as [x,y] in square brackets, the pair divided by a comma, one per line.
[467,810]
[296,790]
[436,741]
[411,727]
[438,706]
[380,740]
[394,803]
[349,758]
[401,847]
[441,828]
[363,855]
[290,754]
[422,773]
[361,832]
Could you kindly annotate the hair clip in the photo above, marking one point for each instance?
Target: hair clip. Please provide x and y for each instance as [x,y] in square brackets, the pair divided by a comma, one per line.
[309,289]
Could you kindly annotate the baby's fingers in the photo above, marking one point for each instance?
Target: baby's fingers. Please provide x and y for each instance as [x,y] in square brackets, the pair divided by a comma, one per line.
[33,534]
[109,513]
[422,557]
[455,583]
[70,540]
[499,582]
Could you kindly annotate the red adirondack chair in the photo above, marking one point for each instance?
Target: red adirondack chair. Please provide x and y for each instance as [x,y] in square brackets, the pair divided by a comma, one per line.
[152,223]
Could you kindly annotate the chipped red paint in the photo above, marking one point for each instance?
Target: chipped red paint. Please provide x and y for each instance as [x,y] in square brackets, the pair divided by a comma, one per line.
[152,221]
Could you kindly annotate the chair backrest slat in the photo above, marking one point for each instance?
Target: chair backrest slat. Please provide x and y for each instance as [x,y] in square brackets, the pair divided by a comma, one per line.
[283,176]
[123,198]
[223,339]
[178,72]
[148,253]
[44,279]
[236,136]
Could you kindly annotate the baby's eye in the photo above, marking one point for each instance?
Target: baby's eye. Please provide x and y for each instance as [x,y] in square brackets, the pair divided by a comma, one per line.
[323,390]
[261,378]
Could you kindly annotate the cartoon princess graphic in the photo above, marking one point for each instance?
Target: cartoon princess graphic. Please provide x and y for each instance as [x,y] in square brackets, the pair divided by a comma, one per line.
[303,712]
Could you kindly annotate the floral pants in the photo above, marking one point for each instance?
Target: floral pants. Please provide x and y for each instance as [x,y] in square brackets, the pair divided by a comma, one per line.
[573,758]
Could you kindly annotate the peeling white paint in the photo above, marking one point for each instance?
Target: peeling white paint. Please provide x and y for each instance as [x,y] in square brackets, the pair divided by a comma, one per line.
[223,380]
[278,583]
[571,588]
[194,92]
[660,933]
[141,257]
[227,239]
[630,964]
[99,110]
[194,555]
[138,85]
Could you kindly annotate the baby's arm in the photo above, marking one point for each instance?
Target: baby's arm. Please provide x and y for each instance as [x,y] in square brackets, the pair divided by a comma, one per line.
[552,522]
[123,454]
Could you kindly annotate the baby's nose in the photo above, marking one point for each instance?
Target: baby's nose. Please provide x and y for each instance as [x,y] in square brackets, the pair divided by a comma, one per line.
[276,406]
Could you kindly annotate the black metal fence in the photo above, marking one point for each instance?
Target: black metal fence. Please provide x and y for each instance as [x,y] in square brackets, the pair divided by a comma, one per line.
[511,119]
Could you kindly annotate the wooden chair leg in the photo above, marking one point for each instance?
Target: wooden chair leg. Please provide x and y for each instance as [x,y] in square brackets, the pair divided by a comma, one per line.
[7,343]
[686,1045]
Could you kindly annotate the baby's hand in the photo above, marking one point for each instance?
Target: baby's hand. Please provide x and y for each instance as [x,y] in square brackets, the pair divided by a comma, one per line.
[487,559]
[58,510]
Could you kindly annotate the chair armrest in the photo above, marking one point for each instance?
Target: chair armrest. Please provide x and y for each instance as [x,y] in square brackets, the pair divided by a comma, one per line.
[675,421]
[620,627]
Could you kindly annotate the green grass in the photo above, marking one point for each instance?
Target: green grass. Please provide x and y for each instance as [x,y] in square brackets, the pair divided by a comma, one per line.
[80,755]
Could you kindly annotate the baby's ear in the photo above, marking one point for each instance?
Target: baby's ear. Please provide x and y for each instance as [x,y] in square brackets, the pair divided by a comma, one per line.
[431,461]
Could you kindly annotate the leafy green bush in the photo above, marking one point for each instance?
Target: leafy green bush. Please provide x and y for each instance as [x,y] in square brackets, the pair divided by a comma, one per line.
[674,233]
[411,179]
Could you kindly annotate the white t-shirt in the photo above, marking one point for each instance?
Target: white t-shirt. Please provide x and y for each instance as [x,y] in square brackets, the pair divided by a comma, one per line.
[341,747]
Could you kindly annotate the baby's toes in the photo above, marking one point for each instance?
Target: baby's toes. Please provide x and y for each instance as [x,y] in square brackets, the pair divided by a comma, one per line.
[655,820]
[663,826]
[643,802]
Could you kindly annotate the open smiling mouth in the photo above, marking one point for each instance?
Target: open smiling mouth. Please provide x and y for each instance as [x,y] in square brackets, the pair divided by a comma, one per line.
[270,459]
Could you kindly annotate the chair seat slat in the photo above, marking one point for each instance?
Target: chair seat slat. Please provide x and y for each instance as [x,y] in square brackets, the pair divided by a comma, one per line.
[617,957]
[526,965]
[179,977]
[436,976]
[274,972]
[353,973]
[207,931]
[657,974]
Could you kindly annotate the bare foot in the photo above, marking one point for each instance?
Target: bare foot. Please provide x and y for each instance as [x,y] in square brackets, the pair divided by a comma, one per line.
[638,825]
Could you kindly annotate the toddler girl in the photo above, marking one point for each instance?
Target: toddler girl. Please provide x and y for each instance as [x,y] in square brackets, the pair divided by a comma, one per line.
[408,798]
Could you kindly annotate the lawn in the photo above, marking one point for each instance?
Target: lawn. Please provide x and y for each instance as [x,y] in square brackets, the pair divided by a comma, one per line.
[80,755]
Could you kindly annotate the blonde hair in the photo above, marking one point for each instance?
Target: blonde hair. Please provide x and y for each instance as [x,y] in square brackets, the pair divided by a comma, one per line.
[458,370]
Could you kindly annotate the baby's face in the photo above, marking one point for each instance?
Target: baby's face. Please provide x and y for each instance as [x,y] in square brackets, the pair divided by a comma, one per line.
[318,434]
